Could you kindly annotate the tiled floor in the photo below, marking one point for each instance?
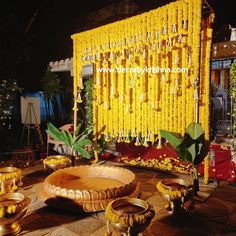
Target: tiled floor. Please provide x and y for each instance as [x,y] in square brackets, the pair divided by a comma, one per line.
[214,216]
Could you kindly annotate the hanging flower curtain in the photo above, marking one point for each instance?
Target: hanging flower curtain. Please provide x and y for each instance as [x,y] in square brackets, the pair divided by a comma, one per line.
[149,96]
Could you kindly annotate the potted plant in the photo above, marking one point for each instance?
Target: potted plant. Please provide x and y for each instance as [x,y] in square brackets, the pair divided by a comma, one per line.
[191,147]
[76,141]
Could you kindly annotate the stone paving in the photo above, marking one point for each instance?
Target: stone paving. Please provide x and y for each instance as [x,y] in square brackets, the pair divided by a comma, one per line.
[215,215]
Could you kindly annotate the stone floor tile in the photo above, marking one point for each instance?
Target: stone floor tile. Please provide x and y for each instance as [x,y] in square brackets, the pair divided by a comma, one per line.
[59,216]
[35,205]
[157,202]
[193,232]
[151,188]
[213,209]
[232,220]
[28,190]
[159,228]
[34,233]
[38,226]
[144,177]
[99,215]
[145,195]
[222,229]
[62,232]
[99,232]
[153,181]
[33,217]
[85,225]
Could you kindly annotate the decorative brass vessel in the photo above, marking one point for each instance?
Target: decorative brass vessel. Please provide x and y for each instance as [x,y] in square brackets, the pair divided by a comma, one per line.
[10,179]
[56,162]
[13,206]
[176,192]
[89,187]
[128,216]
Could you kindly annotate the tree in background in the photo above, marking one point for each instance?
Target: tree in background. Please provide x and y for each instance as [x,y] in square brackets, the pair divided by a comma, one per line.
[8,94]
[52,91]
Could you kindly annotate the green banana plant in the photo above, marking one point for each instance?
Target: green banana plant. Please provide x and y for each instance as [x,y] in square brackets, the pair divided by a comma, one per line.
[76,141]
[191,147]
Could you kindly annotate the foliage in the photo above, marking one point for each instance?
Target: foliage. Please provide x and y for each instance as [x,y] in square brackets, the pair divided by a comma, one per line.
[76,141]
[233,93]
[8,94]
[233,79]
[192,147]
[89,101]
[52,89]
[50,84]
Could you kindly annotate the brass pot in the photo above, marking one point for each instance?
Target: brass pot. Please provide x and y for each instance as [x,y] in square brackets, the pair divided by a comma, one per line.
[56,162]
[128,216]
[176,192]
[91,187]
[10,179]
[13,206]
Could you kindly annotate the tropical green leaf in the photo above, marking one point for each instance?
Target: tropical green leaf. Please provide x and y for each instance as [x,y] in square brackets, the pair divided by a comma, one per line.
[194,130]
[82,152]
[202,150]
[83,142]
[70,138]
[84,134]
[65,137]
[54,132]
[173,138]
[192,150]
[183,154]
[75,142]
[78,129]
[182,148]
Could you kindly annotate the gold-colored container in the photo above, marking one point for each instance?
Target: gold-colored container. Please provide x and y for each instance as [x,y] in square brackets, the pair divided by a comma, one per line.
[176,192]
[128,216]
[90,187]
[13,206]
[10,179]
[56,162]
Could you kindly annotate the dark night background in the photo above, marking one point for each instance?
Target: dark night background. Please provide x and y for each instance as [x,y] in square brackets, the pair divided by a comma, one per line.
[38,31]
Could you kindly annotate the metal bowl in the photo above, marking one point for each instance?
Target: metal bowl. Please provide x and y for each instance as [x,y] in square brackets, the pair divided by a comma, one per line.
[174,184]
[170,187]
[10,178]
[127,208]
[56,162]
[9,221]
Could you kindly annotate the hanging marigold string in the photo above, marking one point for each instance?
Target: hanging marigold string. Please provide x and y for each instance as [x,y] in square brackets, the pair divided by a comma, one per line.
[138,90]
[206,40]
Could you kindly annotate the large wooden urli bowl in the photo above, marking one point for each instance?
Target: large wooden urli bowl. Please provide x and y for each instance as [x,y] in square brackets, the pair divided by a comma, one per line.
[90,187]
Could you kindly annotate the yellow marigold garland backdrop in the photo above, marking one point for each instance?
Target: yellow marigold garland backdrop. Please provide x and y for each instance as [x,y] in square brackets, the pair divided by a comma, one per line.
[150,96]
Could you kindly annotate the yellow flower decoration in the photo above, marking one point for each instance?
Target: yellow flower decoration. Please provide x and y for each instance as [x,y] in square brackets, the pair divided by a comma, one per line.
[143,100]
